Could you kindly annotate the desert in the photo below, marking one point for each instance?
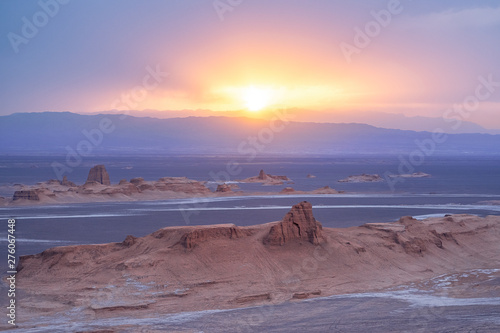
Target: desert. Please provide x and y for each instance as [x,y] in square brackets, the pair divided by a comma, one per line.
[197,268]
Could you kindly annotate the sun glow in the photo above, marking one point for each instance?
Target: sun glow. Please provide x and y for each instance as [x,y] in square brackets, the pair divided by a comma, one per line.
[256,99]
[265,97]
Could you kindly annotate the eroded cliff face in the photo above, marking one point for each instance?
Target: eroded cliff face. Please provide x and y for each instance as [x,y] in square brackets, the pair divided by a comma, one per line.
[200,235]
[298,224]
[26,195]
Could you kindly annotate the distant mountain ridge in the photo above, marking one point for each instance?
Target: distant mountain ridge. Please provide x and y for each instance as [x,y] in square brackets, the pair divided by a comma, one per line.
[56,132]
[374,118]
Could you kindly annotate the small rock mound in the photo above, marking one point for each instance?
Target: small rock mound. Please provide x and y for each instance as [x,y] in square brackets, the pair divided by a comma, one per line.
[129,241]
[298,224]
[363,178]
[99,174]
[223,188]
[287,190]
[266,179]
[325,190]
[137,181]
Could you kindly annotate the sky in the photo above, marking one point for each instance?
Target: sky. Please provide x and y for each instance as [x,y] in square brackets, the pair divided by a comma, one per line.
[417,58]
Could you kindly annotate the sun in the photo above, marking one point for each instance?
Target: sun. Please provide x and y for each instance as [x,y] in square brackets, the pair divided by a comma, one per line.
[256,98]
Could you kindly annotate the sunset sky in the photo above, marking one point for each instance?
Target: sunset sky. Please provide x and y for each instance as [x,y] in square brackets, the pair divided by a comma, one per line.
[90,56]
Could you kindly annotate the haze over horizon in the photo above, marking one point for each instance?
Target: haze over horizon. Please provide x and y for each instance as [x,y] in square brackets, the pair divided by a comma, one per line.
[329,58]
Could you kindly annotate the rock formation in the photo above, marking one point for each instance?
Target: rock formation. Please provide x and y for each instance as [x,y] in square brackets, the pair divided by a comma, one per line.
[363,178]
[195,268]
[181,184]
[287,190]
[310,176]
[66,182]
[202,234]
[95,189]
[123,187]
[298,224]
[99,174]
[26,195]
[411,175]
[322,190]
[266,179]
[221,188]
[326,190]
[129,241]
[137,181]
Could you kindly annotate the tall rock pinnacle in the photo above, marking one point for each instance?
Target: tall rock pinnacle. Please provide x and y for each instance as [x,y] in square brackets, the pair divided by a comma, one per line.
[299,223]
[99,174]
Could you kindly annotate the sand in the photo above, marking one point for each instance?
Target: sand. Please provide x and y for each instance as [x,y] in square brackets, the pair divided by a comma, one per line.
[226,267]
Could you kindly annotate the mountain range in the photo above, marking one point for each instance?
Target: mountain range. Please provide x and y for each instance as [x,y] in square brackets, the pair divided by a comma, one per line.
[374,118]
[60,132]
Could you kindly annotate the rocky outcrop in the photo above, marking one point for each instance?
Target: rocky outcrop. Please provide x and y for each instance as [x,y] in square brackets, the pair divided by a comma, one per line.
[363,178]
[266,179]
[284,178]
[26,195]
[54,191]
[137,181]
[123,188]
[411,175]
[303,295]
[222,188]
[287,190]
[99,174]
[310,176]
[193,238]
[298,224]
[66,182]
[181,184]
[145,187]
[252,298]
[325,190]
[129,241]
[322,190]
